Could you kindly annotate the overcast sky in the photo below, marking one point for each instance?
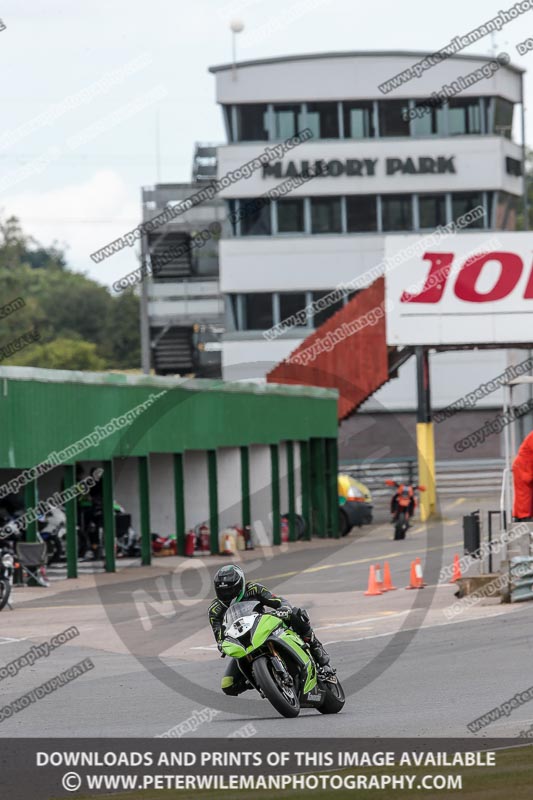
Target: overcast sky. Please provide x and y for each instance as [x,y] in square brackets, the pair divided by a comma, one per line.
[84,83]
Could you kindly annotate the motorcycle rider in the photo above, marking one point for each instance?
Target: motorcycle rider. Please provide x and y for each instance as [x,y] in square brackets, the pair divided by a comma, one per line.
[394,501]
[231,584]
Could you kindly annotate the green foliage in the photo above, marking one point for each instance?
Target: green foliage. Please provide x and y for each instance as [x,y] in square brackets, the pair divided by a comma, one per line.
[60,354]
[81,325]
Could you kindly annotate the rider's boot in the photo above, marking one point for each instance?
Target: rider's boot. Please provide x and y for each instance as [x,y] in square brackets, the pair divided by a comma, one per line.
[317,651]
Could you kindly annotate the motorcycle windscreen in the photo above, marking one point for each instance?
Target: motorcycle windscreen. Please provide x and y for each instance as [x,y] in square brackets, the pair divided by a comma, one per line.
[238,610]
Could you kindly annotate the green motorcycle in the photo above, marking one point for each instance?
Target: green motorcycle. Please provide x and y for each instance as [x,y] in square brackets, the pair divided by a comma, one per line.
[277,662]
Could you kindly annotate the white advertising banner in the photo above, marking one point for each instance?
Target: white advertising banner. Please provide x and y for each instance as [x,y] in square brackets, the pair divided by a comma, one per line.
[467,288]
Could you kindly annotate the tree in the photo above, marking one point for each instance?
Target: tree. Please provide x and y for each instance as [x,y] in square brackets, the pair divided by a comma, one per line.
[123,342]
[59,354]
[80,324]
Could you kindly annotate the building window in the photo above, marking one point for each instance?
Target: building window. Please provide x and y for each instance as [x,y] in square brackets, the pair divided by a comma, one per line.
[232,310]
[290,215]
[286,121]
[290,303]
[397,212]
[258,314]
[326,215]
[506,212]
[323,120]
[361,212]
[464,116]
[503,117]
[431,121]
[431,210]
[228,120]
[391,118]
[358,120]
[254,217]
[323,314]
[251,122]
[462,202]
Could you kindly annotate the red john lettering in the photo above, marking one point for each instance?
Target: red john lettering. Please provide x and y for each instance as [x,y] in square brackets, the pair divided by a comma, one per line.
[435,281]
[511,267]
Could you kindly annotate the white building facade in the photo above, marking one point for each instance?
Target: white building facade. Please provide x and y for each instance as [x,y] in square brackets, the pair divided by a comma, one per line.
[392,163]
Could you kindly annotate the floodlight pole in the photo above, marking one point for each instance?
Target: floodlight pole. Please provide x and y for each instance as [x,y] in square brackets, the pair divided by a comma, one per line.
[425,439]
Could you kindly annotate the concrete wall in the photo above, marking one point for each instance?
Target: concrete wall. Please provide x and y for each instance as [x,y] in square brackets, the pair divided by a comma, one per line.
[196,488]
[126,472]
[229,486]
[163,519]
[260,491]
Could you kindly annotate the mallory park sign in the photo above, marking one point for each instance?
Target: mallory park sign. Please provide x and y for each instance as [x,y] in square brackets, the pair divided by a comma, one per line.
[421,165]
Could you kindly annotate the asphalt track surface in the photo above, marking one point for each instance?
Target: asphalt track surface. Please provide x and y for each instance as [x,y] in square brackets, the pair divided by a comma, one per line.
[408,668]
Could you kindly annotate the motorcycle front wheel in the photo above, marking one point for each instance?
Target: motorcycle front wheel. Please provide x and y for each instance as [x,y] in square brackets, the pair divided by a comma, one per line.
[400,527]
[283,698]
[335,698]
[5,591]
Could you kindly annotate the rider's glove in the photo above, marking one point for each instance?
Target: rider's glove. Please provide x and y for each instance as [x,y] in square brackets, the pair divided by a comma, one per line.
[284,612]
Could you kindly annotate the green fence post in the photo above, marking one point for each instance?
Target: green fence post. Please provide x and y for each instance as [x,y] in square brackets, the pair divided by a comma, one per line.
[333,491]
[291,491]
[30,502]
[245,486]
[179,503]
[69,482]
[305,469]
[109,516]
[144,503]
[318,486]
[213,499]
[274,482]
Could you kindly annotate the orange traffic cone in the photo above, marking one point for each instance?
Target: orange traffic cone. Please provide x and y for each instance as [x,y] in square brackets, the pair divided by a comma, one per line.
[416,580]
[379,578]
[387,580]
[373,588]
[419,575]
[456,569]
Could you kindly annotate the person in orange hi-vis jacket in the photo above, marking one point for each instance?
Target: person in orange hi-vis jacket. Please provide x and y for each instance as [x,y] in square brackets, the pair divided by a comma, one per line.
[523,480]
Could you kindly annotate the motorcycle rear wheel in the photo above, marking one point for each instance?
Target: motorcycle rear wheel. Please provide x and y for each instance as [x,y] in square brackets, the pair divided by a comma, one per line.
[5,591]
[280,698]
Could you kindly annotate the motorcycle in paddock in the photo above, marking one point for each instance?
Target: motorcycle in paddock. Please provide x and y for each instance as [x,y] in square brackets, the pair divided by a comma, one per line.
[403,506]
[52,530]
[91,534]
[277,662]
[7,567]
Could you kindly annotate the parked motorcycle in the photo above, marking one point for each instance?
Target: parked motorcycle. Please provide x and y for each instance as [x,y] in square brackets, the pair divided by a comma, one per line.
[52,530]
[278,663]
[7,568]
[403,506]
[91,533]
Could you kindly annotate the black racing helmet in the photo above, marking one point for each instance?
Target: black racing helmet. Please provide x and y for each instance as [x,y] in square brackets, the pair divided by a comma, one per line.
[229,583]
